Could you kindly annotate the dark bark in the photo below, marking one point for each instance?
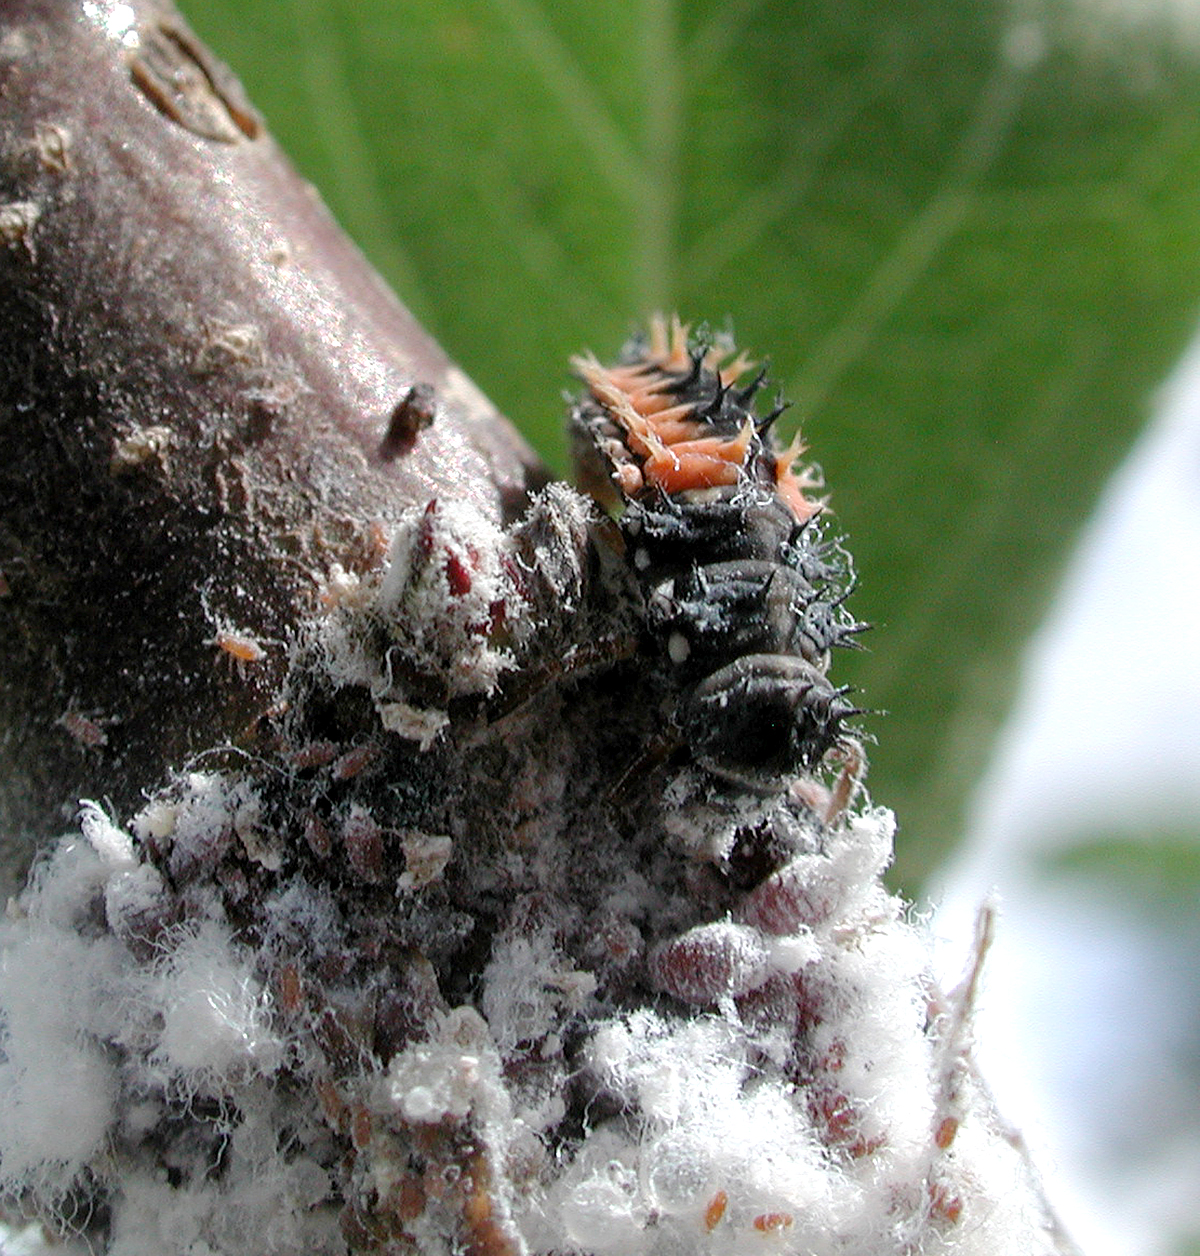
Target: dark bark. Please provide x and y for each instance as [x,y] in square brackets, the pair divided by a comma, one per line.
[205,401]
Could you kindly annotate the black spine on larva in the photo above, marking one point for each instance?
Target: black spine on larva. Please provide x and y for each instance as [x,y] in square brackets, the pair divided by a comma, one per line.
[744,594]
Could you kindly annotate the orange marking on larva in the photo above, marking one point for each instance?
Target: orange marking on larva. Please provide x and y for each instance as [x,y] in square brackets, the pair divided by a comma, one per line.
[676,430]
[946,1130]
[652,401]
[630,479]
[238,646]
[791,484]
[668,416]
[715,1211]
[679,358]
[791,488]
[610,394]
[668,347]
[641,439]
[638,375]
[735,370]
[408,1199]
[587,363]
[668,352]
[646,416]
[703,463]
[788,457]
[639,431]
[658,336]
[767,1222]
[684,469]
[712,358]
[735,448]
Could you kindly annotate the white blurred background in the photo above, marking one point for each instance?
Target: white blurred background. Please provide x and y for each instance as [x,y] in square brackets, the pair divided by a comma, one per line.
[1088,827]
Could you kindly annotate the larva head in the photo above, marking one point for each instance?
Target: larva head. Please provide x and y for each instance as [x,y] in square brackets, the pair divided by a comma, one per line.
[762,720]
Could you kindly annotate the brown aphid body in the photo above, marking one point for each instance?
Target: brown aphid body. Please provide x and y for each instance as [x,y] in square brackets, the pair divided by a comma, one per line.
[413,413]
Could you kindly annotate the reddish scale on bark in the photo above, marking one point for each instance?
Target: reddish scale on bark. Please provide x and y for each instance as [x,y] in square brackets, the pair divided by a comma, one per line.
[516,576]
[534,913]
[234,881]
[333,1107]
[709,962]
[198,852]
[497,617]
[517,579]
[407,1200]
[715,1211]
[485,1235]
[617,942]
[834,1115]
[423,544]
[141,928]
[350,764]
[360,1128]
[363,1229]
[314,754]
[407,1004]
[334,965]
[771,1006]
[87,732]
[945,1204]
[945,1132]
[833,1058]
[457,575]
[317,836]
[836,1118]
[289,990]
[810,1003]
[362,839]
[788,899]
[770,1222]
[344,1032]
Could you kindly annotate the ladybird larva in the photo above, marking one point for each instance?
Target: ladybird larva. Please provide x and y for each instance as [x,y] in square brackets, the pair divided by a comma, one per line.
[743,593]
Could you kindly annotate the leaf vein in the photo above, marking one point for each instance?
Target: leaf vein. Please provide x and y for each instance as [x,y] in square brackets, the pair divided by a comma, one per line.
[918,244]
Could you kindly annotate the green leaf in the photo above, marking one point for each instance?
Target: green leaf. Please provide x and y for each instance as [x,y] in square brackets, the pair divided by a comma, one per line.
[1157,872]
[969,244]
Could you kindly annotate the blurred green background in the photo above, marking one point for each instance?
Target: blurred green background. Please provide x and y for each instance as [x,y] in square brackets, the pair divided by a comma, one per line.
[966,234]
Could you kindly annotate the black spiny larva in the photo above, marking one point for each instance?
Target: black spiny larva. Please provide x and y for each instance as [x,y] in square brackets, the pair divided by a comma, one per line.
[744,596]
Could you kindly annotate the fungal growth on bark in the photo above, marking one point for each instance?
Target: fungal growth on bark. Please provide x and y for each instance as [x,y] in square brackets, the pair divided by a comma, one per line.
[456,862]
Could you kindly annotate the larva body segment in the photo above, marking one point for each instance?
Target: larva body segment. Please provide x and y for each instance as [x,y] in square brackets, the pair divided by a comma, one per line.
[743,593]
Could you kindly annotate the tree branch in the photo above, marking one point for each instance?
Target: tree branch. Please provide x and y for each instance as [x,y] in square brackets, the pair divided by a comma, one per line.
[198,380]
